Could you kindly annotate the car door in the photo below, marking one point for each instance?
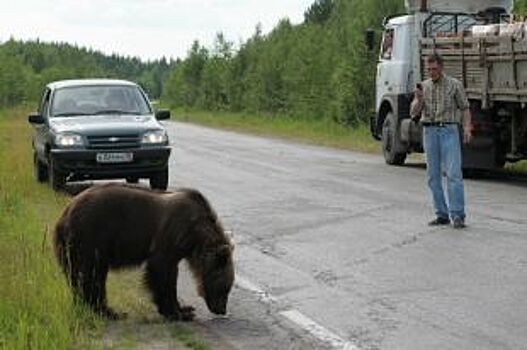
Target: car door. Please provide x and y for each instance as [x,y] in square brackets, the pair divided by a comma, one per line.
[42,130]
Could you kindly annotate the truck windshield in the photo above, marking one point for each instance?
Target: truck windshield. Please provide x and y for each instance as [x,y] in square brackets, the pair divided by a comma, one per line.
[98,99]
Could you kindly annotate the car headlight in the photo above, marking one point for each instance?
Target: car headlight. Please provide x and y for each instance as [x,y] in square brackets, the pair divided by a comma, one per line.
[68,140]
[155,137]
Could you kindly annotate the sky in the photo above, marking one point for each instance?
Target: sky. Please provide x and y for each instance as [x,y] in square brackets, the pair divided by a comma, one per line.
[148,29]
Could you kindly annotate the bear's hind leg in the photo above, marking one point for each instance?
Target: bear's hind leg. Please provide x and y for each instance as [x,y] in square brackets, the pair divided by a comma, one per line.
[93,289]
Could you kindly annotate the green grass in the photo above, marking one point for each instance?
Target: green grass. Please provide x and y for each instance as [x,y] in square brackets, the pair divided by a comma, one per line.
[36,311]
[187,337]
[312,131]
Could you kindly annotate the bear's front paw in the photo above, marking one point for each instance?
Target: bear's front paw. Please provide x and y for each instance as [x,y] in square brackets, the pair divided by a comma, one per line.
[187,313]
[111,314]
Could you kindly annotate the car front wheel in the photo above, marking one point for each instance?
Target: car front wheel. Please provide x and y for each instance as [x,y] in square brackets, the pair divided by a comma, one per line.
[132,179]
[57,179]
[159,180]
[40,170]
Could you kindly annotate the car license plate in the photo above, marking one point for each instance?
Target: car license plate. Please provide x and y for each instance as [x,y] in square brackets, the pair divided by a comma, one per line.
[115,157]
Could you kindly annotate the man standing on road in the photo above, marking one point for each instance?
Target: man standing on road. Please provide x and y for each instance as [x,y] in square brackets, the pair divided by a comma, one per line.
[438,101]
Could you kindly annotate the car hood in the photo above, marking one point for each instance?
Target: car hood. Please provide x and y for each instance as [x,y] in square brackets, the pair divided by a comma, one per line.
[103,124]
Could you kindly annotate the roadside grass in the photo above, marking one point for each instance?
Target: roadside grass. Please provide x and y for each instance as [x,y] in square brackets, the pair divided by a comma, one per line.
[187,337]
[36,311]
[311,131]
[36,308]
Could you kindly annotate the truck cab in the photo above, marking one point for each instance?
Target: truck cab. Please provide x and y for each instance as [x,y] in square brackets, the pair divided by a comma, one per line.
[395,80]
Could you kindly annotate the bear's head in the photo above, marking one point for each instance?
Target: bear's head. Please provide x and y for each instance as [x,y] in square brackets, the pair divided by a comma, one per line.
[217,278]
[212,260]
[213,270]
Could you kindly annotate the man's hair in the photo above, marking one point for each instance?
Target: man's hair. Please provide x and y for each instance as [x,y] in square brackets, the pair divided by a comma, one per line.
[434,58]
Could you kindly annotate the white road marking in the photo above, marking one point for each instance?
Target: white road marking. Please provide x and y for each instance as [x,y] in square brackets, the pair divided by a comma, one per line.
[316,330]
[251,287]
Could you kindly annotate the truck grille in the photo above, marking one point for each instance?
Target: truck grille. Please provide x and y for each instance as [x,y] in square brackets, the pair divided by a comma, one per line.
[113,141]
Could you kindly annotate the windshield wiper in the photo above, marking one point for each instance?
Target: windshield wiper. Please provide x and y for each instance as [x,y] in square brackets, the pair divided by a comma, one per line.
[114,111]
[70,114]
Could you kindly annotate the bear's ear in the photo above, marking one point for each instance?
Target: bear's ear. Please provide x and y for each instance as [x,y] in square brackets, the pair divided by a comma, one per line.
[223,254]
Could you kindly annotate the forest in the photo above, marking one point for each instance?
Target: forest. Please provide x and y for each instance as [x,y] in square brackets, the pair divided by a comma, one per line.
[26,67]
[318,69]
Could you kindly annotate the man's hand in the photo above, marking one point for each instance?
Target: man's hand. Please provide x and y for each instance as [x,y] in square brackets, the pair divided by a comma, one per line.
[467,126]
[416,107]
[418,93]
[467,133]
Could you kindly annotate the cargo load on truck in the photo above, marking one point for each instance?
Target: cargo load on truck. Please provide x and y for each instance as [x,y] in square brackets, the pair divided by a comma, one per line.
[459,6]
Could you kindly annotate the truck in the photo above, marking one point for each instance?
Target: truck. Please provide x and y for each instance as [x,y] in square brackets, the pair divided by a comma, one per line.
[484,48]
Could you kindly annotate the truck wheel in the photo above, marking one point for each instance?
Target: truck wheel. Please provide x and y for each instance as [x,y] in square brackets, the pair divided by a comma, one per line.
[40,170]
[57,179]
[159,180]
[390,141]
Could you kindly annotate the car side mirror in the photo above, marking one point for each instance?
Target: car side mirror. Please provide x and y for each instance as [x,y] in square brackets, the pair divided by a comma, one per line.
[163,114]
[35,118]
[369,39]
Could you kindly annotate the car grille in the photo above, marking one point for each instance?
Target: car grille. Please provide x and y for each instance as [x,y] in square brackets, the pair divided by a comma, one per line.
[113,141]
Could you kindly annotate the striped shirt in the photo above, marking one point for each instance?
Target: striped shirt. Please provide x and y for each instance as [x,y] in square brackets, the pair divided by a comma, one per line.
[443,101]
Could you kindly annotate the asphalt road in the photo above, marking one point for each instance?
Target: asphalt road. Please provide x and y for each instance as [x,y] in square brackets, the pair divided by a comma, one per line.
[333,250]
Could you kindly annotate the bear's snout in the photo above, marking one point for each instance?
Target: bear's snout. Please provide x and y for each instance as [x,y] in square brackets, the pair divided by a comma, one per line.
[218,307]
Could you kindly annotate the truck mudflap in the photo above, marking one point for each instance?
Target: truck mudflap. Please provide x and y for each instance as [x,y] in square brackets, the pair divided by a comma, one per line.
[480,153]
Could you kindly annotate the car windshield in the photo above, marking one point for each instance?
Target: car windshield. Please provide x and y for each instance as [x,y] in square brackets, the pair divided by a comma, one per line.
[99,99]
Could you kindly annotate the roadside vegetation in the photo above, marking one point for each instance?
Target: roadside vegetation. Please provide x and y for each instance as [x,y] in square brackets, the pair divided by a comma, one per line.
[36,309]
[26,66]
[319,69]
[520,7]
[307,130]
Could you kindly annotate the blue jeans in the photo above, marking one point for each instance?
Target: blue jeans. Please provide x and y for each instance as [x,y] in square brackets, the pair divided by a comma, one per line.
[442,146]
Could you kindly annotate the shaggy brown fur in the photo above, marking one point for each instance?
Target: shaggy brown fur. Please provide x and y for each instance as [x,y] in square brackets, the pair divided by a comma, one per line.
[113,226]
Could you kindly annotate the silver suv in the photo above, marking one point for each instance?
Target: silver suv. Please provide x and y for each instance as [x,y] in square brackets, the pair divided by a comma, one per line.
[99,129]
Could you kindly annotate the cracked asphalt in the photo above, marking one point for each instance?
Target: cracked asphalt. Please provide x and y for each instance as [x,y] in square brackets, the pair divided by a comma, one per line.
[341,238]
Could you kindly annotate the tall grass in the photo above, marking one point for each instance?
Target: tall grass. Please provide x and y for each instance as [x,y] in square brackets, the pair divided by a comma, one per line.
[36,311]
[309,130]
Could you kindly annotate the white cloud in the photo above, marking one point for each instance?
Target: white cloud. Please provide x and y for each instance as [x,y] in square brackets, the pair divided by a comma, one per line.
[148,29]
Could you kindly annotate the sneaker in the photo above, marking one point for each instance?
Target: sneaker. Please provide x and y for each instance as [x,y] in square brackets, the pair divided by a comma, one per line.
[459,223]
[439,221]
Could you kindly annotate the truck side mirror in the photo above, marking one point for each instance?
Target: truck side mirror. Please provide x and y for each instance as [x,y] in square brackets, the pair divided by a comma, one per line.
[163,114]
[35,118]
[369,39]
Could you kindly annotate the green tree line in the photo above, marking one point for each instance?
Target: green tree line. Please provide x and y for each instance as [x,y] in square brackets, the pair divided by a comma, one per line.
[520,7]
[25,67]
[317,69]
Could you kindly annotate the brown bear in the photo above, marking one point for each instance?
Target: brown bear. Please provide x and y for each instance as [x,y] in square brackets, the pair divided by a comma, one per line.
[113,226]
